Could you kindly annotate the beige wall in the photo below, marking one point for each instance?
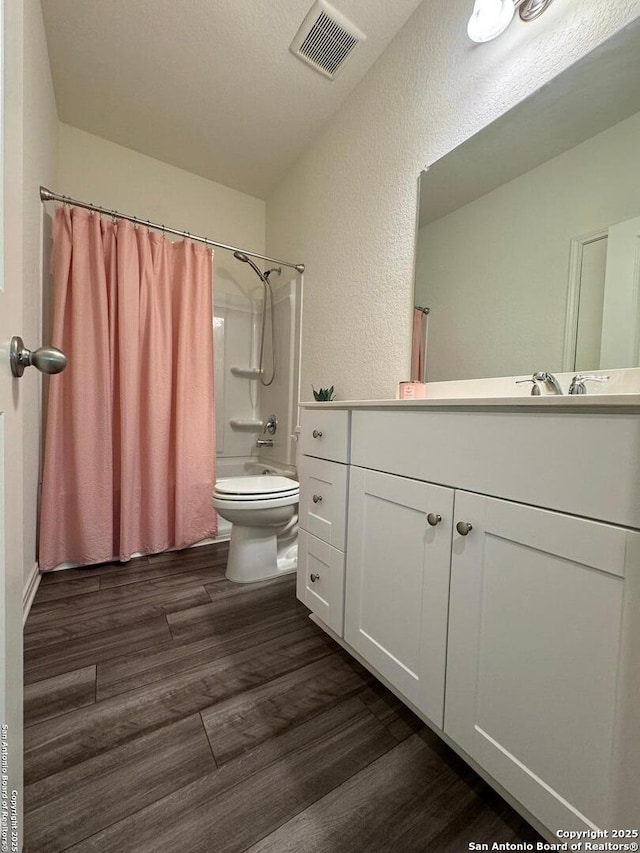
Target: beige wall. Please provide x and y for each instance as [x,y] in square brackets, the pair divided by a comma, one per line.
[495,272]
[93,169]
[40,162]
[348,207]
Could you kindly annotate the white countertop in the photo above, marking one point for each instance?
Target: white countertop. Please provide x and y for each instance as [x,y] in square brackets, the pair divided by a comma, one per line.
[579,402]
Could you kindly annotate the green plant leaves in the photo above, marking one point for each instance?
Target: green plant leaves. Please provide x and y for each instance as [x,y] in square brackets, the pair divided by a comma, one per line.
[324,395]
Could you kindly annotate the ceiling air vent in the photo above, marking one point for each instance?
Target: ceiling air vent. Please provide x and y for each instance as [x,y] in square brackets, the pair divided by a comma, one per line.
[326,39]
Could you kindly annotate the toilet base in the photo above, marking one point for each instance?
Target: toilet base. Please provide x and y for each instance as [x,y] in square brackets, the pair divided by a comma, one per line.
[254,555]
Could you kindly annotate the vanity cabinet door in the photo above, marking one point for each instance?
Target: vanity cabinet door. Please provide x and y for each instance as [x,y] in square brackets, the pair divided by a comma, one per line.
[534,654]
[397,582]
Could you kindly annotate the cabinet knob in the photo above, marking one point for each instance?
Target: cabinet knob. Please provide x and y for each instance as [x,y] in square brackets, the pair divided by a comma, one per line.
[433,519]
[314,578]
[317,433]
[317,499]
[464,528]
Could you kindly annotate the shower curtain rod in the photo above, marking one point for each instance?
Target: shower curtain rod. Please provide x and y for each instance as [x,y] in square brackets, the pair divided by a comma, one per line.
[47,195]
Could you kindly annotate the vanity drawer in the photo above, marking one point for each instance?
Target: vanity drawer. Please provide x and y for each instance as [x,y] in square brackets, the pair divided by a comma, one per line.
[325,434]
[320,581]
[323,500]
[535,458]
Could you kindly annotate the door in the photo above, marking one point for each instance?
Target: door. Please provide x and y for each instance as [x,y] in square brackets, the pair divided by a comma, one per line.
[620,344]
[397,582]
[11,468]
[533,655]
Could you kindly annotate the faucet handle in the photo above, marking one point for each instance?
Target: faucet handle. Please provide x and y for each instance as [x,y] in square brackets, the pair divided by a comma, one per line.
[549,380]
[271,425]
[535,388]
[577,383]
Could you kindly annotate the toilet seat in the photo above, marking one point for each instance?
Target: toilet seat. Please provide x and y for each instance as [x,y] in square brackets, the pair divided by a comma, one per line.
[222,502]
[251,489]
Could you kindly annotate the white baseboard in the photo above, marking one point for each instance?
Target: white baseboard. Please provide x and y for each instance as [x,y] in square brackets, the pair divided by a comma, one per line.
[29,592]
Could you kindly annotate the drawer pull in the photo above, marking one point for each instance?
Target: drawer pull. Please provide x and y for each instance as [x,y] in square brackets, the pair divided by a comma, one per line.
[433,519]
[317,499]
[314,578]
[317,433]
[464,528]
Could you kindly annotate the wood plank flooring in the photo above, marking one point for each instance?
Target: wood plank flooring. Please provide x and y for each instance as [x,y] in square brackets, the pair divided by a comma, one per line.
[169,710]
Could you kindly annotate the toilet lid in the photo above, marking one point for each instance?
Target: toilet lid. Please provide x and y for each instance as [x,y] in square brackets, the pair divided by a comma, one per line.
[265,485]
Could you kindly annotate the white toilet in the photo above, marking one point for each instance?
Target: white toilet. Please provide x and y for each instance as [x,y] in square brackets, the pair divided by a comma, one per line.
[263,512]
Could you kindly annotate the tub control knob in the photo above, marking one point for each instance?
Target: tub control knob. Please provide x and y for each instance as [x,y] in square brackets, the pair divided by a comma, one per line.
[314,578]
[464,528]
[317,499]
[317,433]
[433,519]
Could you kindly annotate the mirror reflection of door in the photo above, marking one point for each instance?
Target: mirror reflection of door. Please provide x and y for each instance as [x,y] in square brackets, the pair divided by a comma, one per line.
[620,320]
[603,308]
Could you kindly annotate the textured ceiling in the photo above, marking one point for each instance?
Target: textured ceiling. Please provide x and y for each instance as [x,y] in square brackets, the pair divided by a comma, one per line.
[206,85]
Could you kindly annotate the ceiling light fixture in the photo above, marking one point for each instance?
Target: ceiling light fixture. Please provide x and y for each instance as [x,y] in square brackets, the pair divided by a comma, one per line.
[490,18]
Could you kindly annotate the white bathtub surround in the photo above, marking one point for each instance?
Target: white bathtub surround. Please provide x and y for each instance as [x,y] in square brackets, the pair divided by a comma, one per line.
[242,403]
[236,396]
[491,578]
[282,396]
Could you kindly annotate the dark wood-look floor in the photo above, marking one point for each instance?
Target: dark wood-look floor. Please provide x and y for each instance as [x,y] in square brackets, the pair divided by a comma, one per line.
[167,709]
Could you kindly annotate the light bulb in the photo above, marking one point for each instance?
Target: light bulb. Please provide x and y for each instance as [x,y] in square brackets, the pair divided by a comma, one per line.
[489,18]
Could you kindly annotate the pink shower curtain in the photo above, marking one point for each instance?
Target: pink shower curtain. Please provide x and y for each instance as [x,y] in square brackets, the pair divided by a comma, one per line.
[130,446]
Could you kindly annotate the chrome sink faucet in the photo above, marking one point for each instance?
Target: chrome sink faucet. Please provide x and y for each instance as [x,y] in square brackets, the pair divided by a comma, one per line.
[577,383]
[549,380]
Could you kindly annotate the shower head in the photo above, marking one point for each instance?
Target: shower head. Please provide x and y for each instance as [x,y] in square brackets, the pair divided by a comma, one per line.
[240,256]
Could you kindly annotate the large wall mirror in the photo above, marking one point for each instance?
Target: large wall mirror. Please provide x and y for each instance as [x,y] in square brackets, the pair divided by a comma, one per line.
[528,246]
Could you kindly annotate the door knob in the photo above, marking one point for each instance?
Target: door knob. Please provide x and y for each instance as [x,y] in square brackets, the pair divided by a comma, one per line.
[464,528]
[434,518]
[317,499]
[45,359]
[314,577]
[317,433]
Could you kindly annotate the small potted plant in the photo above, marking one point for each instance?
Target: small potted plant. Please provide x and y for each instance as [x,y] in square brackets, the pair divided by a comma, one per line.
[324,395]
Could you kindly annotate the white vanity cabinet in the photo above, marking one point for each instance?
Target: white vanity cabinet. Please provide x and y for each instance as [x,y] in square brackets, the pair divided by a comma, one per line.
[397,583]
[511,622]
[322,514]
